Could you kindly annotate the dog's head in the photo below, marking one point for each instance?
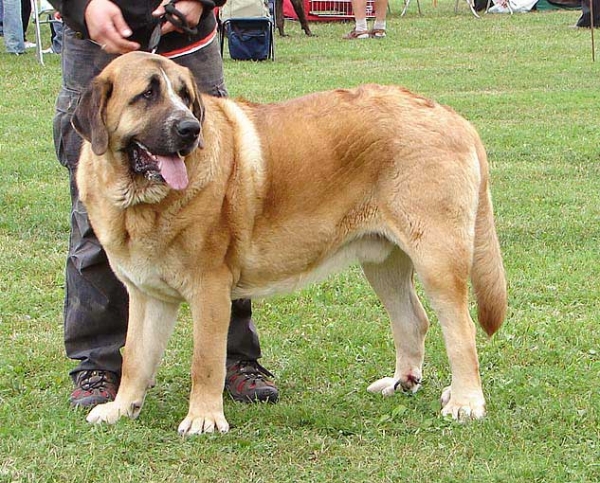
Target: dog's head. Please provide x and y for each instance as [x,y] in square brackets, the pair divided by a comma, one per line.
[147,111]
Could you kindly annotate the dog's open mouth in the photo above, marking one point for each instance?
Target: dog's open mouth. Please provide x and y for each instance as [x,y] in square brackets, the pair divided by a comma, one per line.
[157,167]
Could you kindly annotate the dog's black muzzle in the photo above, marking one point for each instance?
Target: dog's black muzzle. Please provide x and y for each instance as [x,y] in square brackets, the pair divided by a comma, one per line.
[187,132]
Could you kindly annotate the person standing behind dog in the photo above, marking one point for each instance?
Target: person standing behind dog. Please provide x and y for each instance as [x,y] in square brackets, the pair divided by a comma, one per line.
[12,27]
[361,31]
[96,303]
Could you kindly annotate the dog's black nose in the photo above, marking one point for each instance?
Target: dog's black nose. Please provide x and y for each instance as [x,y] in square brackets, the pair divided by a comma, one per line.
[188,129]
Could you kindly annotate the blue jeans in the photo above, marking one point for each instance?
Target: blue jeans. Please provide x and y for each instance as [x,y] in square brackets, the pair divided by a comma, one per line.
[96,303]
[12,26]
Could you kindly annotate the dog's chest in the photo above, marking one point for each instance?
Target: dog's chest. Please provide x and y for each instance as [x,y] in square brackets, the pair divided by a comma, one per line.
[148,275]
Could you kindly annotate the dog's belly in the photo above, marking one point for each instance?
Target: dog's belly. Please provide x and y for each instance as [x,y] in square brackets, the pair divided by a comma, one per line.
[368,249]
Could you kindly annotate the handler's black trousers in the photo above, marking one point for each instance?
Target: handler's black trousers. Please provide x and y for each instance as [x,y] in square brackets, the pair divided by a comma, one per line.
[96,303]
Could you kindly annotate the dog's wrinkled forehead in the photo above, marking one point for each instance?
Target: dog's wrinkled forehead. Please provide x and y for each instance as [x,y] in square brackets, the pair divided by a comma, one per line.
[140,73]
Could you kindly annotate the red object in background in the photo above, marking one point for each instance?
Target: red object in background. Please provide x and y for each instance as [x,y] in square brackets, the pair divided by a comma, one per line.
[326,10]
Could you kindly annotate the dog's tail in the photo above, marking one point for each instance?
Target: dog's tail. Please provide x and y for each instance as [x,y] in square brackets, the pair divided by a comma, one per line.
[487,273]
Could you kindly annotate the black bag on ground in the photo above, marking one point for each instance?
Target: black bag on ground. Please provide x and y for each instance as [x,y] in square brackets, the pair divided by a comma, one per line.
[248,39]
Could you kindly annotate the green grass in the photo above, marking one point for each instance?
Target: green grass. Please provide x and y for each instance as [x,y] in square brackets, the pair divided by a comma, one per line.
[528,84]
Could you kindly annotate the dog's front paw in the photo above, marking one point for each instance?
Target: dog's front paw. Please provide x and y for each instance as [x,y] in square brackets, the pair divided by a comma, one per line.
[462,408]
[110,413]
[388,385]
[205,423]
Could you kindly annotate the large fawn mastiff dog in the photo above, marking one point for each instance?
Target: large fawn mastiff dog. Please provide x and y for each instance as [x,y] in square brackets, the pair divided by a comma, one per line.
[206,200]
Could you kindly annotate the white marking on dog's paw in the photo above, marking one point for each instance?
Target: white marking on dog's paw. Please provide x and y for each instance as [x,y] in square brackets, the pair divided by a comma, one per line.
[382,385]
[203,424]
[387,386]
[108,413]
[463,410]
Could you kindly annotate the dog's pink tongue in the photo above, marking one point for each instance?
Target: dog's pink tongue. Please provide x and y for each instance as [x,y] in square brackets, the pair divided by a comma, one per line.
[172,168]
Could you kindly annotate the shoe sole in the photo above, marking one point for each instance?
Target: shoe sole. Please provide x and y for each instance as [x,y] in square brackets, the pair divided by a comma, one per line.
[88,402]
[263,397]
[362,36]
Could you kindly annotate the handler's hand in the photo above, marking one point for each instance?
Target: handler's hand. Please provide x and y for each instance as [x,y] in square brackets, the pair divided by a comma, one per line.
[107,27]
[191,9]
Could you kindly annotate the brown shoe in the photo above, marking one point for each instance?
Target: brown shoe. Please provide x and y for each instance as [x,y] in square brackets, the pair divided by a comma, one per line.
[245,382]
[377,33]
[356,34]
[93,388]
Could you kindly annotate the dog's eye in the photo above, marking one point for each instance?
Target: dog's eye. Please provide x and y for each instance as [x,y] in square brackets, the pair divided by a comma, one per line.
[185,96]
[149,94]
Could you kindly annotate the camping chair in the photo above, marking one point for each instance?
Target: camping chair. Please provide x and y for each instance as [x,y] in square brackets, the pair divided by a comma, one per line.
[406,4]
[42,13]
[471,4]
[249,26]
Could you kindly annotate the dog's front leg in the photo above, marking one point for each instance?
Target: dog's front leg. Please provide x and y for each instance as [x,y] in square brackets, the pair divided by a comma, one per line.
[211,310]
[151,322]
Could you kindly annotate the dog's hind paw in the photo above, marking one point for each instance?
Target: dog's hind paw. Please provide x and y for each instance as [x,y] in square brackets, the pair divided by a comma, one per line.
[110,413]
[385,386]
[462,409]
[389,385]
[203,424]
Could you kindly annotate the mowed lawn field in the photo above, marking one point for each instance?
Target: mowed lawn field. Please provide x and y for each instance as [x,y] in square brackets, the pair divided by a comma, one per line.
[529,85]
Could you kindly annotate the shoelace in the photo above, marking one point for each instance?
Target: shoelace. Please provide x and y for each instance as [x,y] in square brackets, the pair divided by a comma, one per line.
[252,369]
[93,380]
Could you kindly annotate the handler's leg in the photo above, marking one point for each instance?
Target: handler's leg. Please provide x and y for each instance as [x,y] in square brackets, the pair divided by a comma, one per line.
[96,303]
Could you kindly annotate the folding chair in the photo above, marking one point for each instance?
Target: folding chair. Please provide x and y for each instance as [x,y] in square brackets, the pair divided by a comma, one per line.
[42,13]
[471,4]
[252,23]
[406,4]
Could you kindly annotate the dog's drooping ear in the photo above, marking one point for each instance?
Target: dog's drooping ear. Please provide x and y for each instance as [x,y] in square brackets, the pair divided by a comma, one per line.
[198,111]
[198,105]
[89,116]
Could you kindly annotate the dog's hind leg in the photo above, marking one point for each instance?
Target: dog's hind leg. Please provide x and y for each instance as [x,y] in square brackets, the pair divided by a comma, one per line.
[151,323]
[298,6]
[279,20]
[299,9]
[443,267]
[392,280]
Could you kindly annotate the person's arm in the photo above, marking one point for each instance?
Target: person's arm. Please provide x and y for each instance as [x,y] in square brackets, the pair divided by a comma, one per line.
[73,14]
[99,20]
[107,27]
